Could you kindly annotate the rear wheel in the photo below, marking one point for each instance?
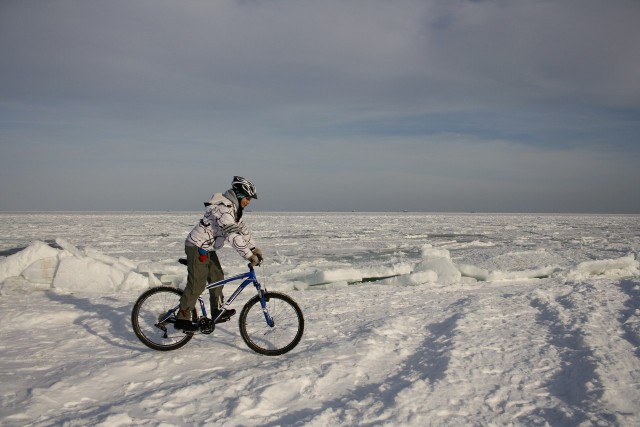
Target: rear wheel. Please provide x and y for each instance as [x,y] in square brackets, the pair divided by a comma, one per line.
[148,320]
[274,340]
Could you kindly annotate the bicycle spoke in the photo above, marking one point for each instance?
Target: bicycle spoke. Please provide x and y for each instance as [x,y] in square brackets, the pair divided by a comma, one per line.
[279,338]
[151,307]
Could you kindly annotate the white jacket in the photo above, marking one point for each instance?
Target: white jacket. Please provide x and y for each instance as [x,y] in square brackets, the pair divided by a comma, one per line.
[219,224]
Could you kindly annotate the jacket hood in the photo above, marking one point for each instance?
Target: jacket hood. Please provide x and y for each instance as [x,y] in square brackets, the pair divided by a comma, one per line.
[231,195]
[228,196]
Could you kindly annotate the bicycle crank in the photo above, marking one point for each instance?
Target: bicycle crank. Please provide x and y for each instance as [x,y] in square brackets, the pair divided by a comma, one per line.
[206,325]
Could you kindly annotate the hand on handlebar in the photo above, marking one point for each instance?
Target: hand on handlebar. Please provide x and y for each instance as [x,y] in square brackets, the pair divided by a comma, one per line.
[256,253]
[254,260]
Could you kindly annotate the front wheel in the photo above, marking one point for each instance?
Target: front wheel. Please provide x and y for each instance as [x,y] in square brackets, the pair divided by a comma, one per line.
[286,331]
[151,323]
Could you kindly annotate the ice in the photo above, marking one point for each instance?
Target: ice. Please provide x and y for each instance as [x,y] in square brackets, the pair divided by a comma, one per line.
[473,271]
[99,256]
[339,275]
[15,264]
[537,273]
[90,270]
[439,262]
[72,269]
[67,246]
[410,319]
[626,266]
[88,275]
[41,271]
[411,279]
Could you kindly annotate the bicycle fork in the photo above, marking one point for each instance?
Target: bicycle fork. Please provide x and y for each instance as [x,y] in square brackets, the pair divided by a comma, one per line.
[263,304]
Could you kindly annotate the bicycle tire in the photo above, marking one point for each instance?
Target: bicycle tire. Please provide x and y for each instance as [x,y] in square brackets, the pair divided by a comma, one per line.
[151,305]
[276,340]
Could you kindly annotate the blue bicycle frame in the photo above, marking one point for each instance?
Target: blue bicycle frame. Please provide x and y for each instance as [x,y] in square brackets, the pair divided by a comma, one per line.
[249,277]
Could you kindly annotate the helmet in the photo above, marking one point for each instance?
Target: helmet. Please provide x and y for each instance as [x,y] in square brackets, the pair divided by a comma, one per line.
[244,187]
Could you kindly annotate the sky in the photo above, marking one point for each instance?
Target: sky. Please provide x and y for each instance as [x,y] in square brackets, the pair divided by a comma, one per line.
[429,105]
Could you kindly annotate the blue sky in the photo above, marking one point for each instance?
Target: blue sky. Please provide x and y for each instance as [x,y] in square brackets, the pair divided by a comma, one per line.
[431,105]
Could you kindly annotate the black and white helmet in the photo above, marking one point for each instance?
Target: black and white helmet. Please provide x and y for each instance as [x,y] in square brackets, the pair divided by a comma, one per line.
[244,187]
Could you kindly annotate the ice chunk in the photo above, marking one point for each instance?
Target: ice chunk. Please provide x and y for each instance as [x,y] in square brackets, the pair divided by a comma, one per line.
[429,252]
[419,278]
[99,256]
[67,246]
[384,271]
[126,264]
[620,267]
[153,280]
[15,264]
[536,273]
[473,271]
[135,281]
[87,275]
[41,271]
[337,275]
[161,267]
[325,286]
[443,267]
[426,276]
[174,280]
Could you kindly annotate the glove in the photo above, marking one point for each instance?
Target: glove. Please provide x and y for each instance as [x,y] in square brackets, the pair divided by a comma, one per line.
[254,260]
[257,252]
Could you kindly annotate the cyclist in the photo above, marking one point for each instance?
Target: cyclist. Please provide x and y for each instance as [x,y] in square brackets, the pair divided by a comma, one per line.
[222,222]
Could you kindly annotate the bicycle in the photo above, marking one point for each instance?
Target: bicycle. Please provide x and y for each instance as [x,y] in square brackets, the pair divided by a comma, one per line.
[271,323]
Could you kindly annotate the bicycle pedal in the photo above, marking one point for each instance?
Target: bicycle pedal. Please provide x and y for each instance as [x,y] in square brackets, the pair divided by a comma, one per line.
[226,316]
[185,325]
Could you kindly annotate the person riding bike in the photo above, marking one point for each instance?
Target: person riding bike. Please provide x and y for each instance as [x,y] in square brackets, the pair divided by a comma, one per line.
[222,221]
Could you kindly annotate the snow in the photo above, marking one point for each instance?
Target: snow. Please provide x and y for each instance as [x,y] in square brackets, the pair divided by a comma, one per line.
[411,319]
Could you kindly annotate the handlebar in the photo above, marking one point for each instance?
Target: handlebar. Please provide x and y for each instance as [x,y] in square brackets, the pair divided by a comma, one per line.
[257,265]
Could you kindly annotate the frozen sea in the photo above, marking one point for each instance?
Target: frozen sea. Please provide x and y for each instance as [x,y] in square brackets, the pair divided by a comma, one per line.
[411,319]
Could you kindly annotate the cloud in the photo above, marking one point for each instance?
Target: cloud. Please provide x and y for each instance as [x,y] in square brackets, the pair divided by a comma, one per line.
[382,55]
[570,51]
[299,93]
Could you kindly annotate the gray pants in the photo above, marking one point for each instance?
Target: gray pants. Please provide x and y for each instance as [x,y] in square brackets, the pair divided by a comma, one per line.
[199,274]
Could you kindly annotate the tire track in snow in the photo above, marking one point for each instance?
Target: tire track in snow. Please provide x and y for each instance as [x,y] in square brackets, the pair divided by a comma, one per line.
[610,328]
[376,402]
[581,322]
[571,383]
[630,317]
[495,365]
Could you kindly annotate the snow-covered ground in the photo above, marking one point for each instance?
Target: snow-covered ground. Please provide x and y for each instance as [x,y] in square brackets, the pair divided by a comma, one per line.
[411,319]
